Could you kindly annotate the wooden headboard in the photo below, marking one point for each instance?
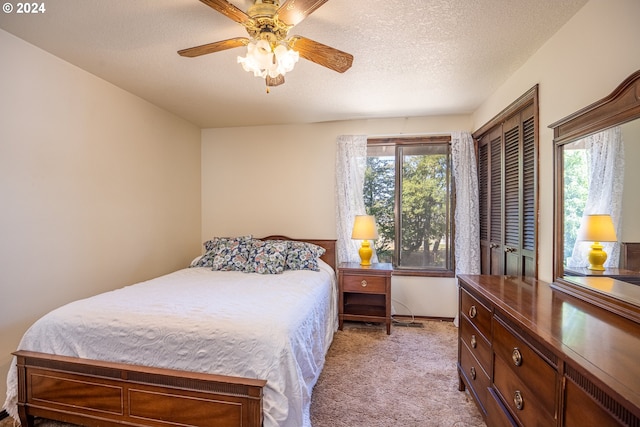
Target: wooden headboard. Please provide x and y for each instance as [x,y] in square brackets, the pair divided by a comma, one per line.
[330,256]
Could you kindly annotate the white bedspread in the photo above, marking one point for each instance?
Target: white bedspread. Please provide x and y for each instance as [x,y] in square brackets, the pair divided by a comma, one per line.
[273,327]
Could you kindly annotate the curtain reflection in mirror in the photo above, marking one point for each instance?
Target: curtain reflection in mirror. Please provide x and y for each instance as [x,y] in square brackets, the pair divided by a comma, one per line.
[594,181]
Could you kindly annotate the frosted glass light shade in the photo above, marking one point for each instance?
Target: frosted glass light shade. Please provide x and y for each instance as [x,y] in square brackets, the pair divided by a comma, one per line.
[262,60]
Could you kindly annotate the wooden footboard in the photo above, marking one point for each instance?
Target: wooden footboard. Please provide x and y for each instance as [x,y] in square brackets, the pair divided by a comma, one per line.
[95,393]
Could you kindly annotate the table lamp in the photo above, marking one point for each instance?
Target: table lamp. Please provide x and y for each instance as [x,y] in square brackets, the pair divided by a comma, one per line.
[364,228]
[597,228]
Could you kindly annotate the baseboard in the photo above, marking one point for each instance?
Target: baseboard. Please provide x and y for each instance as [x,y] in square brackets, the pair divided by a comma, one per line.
[3,414]
[404,318]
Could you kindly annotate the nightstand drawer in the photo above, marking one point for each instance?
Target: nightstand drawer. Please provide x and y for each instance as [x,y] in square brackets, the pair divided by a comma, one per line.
[364,284]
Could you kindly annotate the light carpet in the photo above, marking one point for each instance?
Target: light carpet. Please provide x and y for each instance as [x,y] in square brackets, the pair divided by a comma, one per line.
[406,379]
[371,379]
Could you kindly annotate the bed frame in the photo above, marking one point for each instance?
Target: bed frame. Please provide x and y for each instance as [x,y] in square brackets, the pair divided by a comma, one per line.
[105,394]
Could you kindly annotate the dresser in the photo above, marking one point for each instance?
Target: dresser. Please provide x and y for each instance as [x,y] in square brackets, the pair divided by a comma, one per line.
[364,293]
[531,355]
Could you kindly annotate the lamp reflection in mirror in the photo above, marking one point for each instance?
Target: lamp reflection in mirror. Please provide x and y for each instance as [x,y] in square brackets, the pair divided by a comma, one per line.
[597,228]
[365,229]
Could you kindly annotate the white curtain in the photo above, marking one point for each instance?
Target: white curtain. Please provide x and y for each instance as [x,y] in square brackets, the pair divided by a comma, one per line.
[466,216]
[467,222]
[606,181]
[351,164]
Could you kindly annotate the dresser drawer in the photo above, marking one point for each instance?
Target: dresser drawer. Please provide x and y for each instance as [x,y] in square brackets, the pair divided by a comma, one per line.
[364,284]
[476,377]
[476,342]
[497,414]
[477,313]
[526,365]
[524,402]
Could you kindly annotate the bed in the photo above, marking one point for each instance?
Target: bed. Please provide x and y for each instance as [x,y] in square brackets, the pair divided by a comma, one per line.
[233,347]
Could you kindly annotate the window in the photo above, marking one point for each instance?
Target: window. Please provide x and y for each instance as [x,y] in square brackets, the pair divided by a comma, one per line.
[409,190]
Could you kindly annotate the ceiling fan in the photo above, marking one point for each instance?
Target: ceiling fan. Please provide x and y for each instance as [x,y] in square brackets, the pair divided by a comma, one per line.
[271,52]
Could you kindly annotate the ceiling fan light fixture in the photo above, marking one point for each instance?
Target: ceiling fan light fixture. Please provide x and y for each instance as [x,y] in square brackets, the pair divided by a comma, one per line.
[263,61]
[271,52]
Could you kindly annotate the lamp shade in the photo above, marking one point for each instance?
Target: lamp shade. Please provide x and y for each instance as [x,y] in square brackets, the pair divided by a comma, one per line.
[364,228]
[597,228]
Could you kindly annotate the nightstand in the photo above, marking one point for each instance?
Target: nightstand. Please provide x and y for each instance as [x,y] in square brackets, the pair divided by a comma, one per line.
[364,293]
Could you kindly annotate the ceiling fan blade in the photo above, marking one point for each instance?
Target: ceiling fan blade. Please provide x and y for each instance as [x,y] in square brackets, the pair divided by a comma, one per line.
[204,49]
[321,54]
[293,11]
[227,9]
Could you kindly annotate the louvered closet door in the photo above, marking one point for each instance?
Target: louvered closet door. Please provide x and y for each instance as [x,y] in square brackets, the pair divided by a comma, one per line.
[490,193]
[507,180]
[519,194]
[529,194]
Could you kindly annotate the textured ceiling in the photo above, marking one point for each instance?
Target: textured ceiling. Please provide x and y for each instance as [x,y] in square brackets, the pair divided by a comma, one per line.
[411,57]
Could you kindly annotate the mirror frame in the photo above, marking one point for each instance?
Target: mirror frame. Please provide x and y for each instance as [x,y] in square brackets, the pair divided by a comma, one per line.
[621,106]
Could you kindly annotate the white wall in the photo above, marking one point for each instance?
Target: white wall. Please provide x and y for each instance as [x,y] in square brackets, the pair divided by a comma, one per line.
[280,180]
[582,63]
[98,188]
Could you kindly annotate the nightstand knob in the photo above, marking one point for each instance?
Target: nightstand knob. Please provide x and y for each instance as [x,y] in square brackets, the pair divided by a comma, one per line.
[473,373]
[364,283]
[474,342]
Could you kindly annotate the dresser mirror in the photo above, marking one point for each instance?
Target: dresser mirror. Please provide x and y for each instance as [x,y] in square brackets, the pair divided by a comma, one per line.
[613,118]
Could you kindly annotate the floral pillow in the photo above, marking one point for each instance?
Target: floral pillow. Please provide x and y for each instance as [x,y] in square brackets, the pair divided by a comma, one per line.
[205,260]
[210,245]
[227,253]
[303,256]
[267,256]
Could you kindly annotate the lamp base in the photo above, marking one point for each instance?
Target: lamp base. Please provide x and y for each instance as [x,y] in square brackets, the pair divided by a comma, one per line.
[365,253]
[597,257]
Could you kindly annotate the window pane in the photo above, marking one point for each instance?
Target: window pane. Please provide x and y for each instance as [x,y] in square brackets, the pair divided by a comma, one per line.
[424,197]
[416,178]
[576,191]
[379,197]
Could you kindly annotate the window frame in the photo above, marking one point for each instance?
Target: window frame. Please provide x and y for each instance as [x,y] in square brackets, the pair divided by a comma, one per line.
[416,141]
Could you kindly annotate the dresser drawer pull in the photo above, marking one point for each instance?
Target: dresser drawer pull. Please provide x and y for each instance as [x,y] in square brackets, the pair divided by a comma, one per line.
[473,373]
[364,283]
[473,311]
[474,341]
[518,400]
[516,356]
